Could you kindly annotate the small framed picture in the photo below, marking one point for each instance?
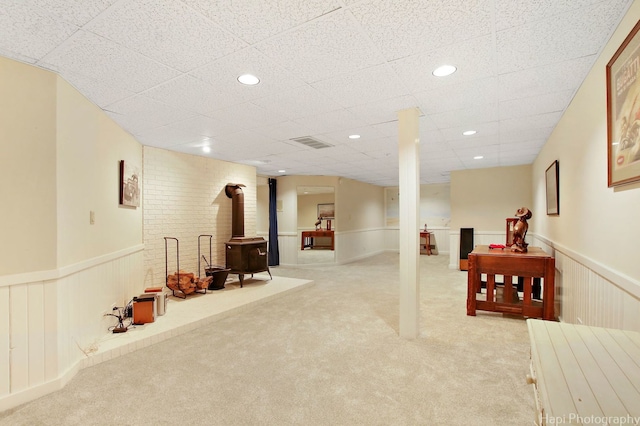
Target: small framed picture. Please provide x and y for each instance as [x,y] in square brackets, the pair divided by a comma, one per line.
[129,184]
[326,211]
[553,189]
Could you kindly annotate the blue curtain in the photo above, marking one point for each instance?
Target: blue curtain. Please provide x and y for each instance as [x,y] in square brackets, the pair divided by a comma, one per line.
[274,252]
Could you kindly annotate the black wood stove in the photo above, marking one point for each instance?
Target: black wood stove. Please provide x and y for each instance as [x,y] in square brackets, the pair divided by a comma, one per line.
[244,255]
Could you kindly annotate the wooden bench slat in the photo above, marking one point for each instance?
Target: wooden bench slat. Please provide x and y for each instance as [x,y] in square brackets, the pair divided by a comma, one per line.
[598,384]
[590,372]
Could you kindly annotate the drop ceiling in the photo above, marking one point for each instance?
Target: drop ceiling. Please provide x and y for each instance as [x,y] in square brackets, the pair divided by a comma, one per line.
[166,71]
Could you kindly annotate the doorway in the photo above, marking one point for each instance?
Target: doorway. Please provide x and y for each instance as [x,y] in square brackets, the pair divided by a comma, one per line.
[316,211]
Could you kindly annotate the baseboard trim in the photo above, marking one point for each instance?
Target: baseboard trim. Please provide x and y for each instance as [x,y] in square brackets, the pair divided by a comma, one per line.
[14,400]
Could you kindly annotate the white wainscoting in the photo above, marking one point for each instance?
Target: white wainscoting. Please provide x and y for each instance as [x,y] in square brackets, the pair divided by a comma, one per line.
[439,239]
[590,293]
[354,245]
[50,319]
[288,246]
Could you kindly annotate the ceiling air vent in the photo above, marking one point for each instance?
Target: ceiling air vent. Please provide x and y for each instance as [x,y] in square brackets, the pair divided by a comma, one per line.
[311,142]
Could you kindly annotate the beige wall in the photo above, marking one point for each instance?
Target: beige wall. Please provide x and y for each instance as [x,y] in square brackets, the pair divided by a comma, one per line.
[308,210]
[359,205]
[90,147]
[435,205]
[483,198]
[288,194]
[27,168]
[599,222]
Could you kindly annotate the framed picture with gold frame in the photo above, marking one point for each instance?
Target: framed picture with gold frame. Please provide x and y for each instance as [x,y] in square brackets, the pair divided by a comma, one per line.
[623,112]
[326,211]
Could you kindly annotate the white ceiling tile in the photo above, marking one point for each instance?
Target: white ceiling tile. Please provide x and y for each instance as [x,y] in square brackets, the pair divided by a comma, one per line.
[248,116]
[148,111]
[167,31]
[356,89]
[550,102]
[387,155]
[253,20]
[222,74]
[96,57]
[560,76]
[474,59]
[190,93]
[73,11]
[531,135]
[489,154]
[514,147]
[511,13]
[422,25]
[167,136]
[298,102]
[367,134]
[207,126]
[469,117]
[432,139]
[30,32]
[459,96]
[336,120]
[96,91]
[482,129]
[561,37]
[323,48]
[383,111]
[525,124]
[473,142]
[284,131]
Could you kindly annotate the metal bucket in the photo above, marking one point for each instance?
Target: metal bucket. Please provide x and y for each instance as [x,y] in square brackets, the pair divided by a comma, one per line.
[219,275]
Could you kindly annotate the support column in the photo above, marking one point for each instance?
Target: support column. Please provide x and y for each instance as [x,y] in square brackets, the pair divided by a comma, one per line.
[409,160]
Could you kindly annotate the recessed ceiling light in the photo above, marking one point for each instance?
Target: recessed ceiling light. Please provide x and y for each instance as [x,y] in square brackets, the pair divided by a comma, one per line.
[281,171]
[478,157]
[469,132]
[354,136]
[248,79]
[444,70]
[206,149]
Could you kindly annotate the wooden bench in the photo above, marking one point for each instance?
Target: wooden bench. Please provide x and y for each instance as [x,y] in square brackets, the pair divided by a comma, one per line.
[584,375]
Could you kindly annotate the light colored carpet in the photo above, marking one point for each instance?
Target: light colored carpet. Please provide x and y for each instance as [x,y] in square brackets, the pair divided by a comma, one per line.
[326,355]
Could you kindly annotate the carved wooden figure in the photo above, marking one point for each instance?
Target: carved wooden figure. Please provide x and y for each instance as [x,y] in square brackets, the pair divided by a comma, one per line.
[520,230]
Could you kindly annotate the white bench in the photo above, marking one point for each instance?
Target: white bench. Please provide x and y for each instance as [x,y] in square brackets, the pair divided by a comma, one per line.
[584,375]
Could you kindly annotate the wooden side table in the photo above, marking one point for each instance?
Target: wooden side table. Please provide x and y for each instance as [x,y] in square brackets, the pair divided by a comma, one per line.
[426,247]
[308,239]
[527,266]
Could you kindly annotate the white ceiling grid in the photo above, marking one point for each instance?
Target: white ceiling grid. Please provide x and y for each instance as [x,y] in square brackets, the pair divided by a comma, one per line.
[165,70]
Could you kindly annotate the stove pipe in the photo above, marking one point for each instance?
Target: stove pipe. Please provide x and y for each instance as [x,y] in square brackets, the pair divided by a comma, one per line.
[234,191]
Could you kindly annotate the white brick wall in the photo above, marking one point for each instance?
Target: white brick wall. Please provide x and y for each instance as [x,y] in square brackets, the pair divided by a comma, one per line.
[184,197]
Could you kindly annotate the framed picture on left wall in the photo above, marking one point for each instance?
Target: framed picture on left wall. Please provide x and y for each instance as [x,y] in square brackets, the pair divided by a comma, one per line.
[129,184]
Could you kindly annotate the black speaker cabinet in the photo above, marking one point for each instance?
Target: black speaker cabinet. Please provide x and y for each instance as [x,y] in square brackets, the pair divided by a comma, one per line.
[466,247]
